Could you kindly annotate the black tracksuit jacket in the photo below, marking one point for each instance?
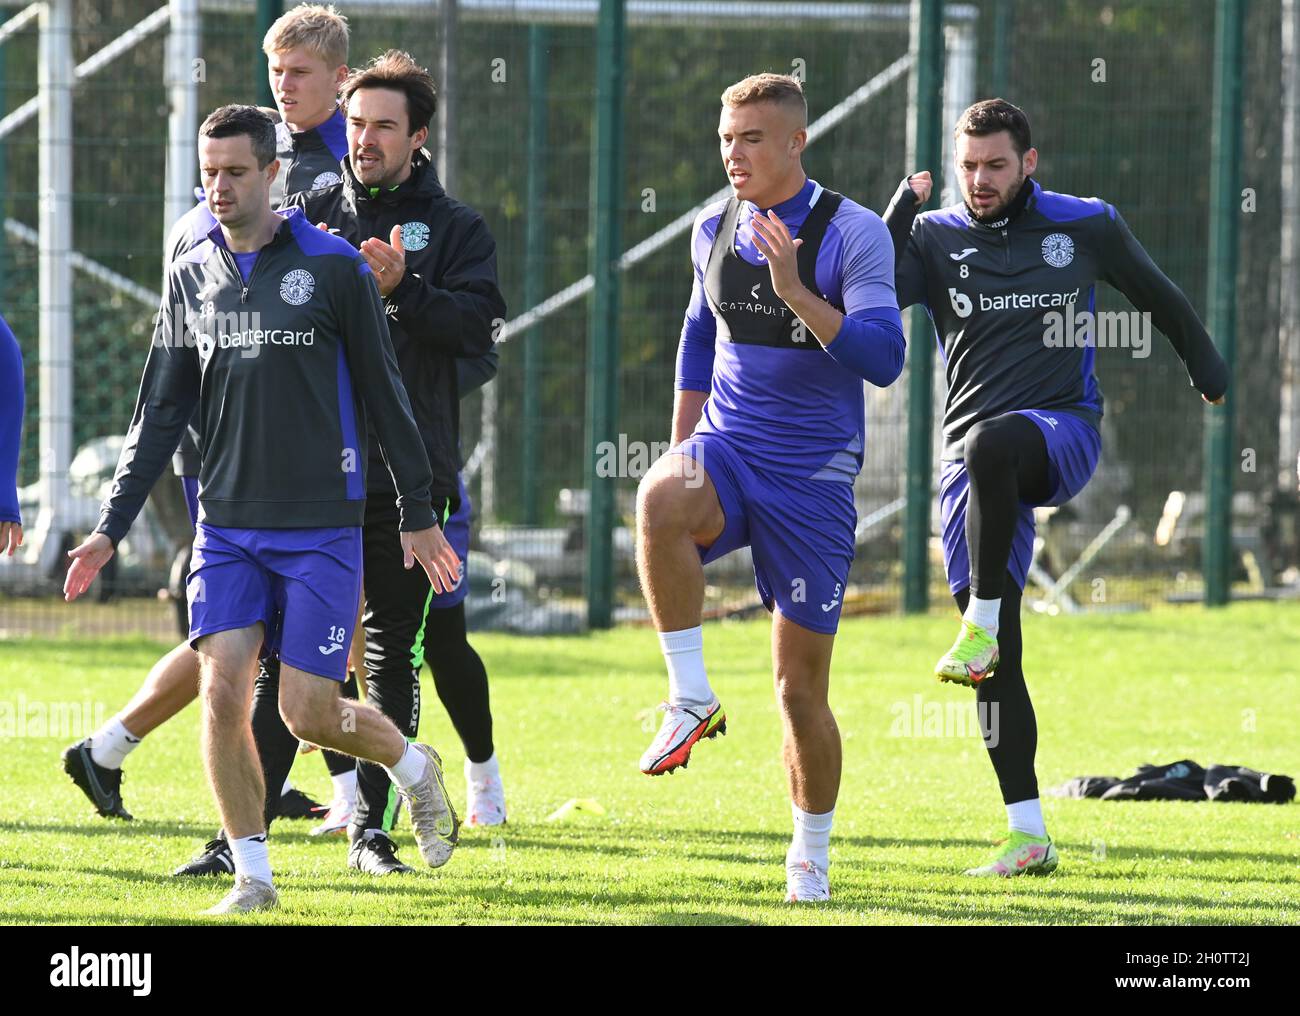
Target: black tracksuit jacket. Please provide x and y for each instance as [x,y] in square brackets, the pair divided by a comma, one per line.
[447,306]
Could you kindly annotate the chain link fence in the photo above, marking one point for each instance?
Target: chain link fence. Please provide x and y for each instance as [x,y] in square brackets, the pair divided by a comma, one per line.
[1119,96]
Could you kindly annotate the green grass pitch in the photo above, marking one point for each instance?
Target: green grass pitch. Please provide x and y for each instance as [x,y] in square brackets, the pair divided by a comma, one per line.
[917,804]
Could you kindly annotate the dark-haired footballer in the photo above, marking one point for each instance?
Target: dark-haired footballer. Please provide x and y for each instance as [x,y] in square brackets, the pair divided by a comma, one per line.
[998,274]
[275,331]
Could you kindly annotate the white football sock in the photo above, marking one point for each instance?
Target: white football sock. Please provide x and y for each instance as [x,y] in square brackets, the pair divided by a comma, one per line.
[477,772]
[345,785]
[812,837]
[1027,817]
[112,743]
[683,651]
[409,769]
[251,858]
[984,613]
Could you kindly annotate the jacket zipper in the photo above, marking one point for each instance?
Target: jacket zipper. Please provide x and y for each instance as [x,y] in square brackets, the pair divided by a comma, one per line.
[1006,248]
[243,292]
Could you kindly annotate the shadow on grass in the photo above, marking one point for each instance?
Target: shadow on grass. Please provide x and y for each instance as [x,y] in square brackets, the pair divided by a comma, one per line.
[631,840]
[1128,909]
[913,889]
[285,831]
[112,827]
[81,917]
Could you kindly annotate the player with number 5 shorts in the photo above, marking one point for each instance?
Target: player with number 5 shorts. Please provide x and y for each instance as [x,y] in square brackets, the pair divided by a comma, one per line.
[792,308]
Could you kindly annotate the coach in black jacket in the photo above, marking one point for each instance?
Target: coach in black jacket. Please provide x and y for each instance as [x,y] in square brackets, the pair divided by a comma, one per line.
[434,261]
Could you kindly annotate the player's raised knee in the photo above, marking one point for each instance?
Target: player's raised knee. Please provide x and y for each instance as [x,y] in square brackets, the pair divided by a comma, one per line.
[673,498]
[985,447]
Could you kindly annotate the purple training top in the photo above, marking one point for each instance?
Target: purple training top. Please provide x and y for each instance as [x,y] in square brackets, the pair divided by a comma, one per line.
[794,412]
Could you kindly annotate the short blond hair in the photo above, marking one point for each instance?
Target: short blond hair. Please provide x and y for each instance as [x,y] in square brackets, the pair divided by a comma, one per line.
[319,28]
[779,88]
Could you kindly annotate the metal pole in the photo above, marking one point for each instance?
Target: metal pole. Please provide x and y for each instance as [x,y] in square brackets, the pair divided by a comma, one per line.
[487,490]
[1225,152]
[1000,51]
[55,75]
[183,120]
[602,331]
[958,93]
[925,88]
[447,64]
[534,262]
[267,13]
[1289,261]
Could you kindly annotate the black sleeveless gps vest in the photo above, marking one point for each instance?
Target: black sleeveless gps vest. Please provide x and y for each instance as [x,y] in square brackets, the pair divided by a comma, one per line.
[741,294]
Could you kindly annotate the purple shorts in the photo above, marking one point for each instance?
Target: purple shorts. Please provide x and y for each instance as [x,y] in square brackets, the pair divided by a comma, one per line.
[800,531]
[1073,448]
[302,584]
[190,484]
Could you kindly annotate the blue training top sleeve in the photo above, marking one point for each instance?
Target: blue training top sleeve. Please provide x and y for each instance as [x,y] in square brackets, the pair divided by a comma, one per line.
[867,281]
[11,422]
[871,344]
[699,329]
[870,340]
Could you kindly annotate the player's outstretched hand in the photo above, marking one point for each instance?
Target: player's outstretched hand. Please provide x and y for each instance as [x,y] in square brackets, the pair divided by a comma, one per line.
[921,185]
[431,549]
[11,537]
[86,562]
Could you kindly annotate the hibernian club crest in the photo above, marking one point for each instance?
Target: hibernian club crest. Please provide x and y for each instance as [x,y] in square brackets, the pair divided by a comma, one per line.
[297,286]
[1058,250]
[415,236]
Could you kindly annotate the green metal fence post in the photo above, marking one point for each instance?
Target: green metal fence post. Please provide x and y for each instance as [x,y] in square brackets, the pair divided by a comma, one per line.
[925,93]
[534,261]
[602,331]
[1225,208]
[1000,51]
